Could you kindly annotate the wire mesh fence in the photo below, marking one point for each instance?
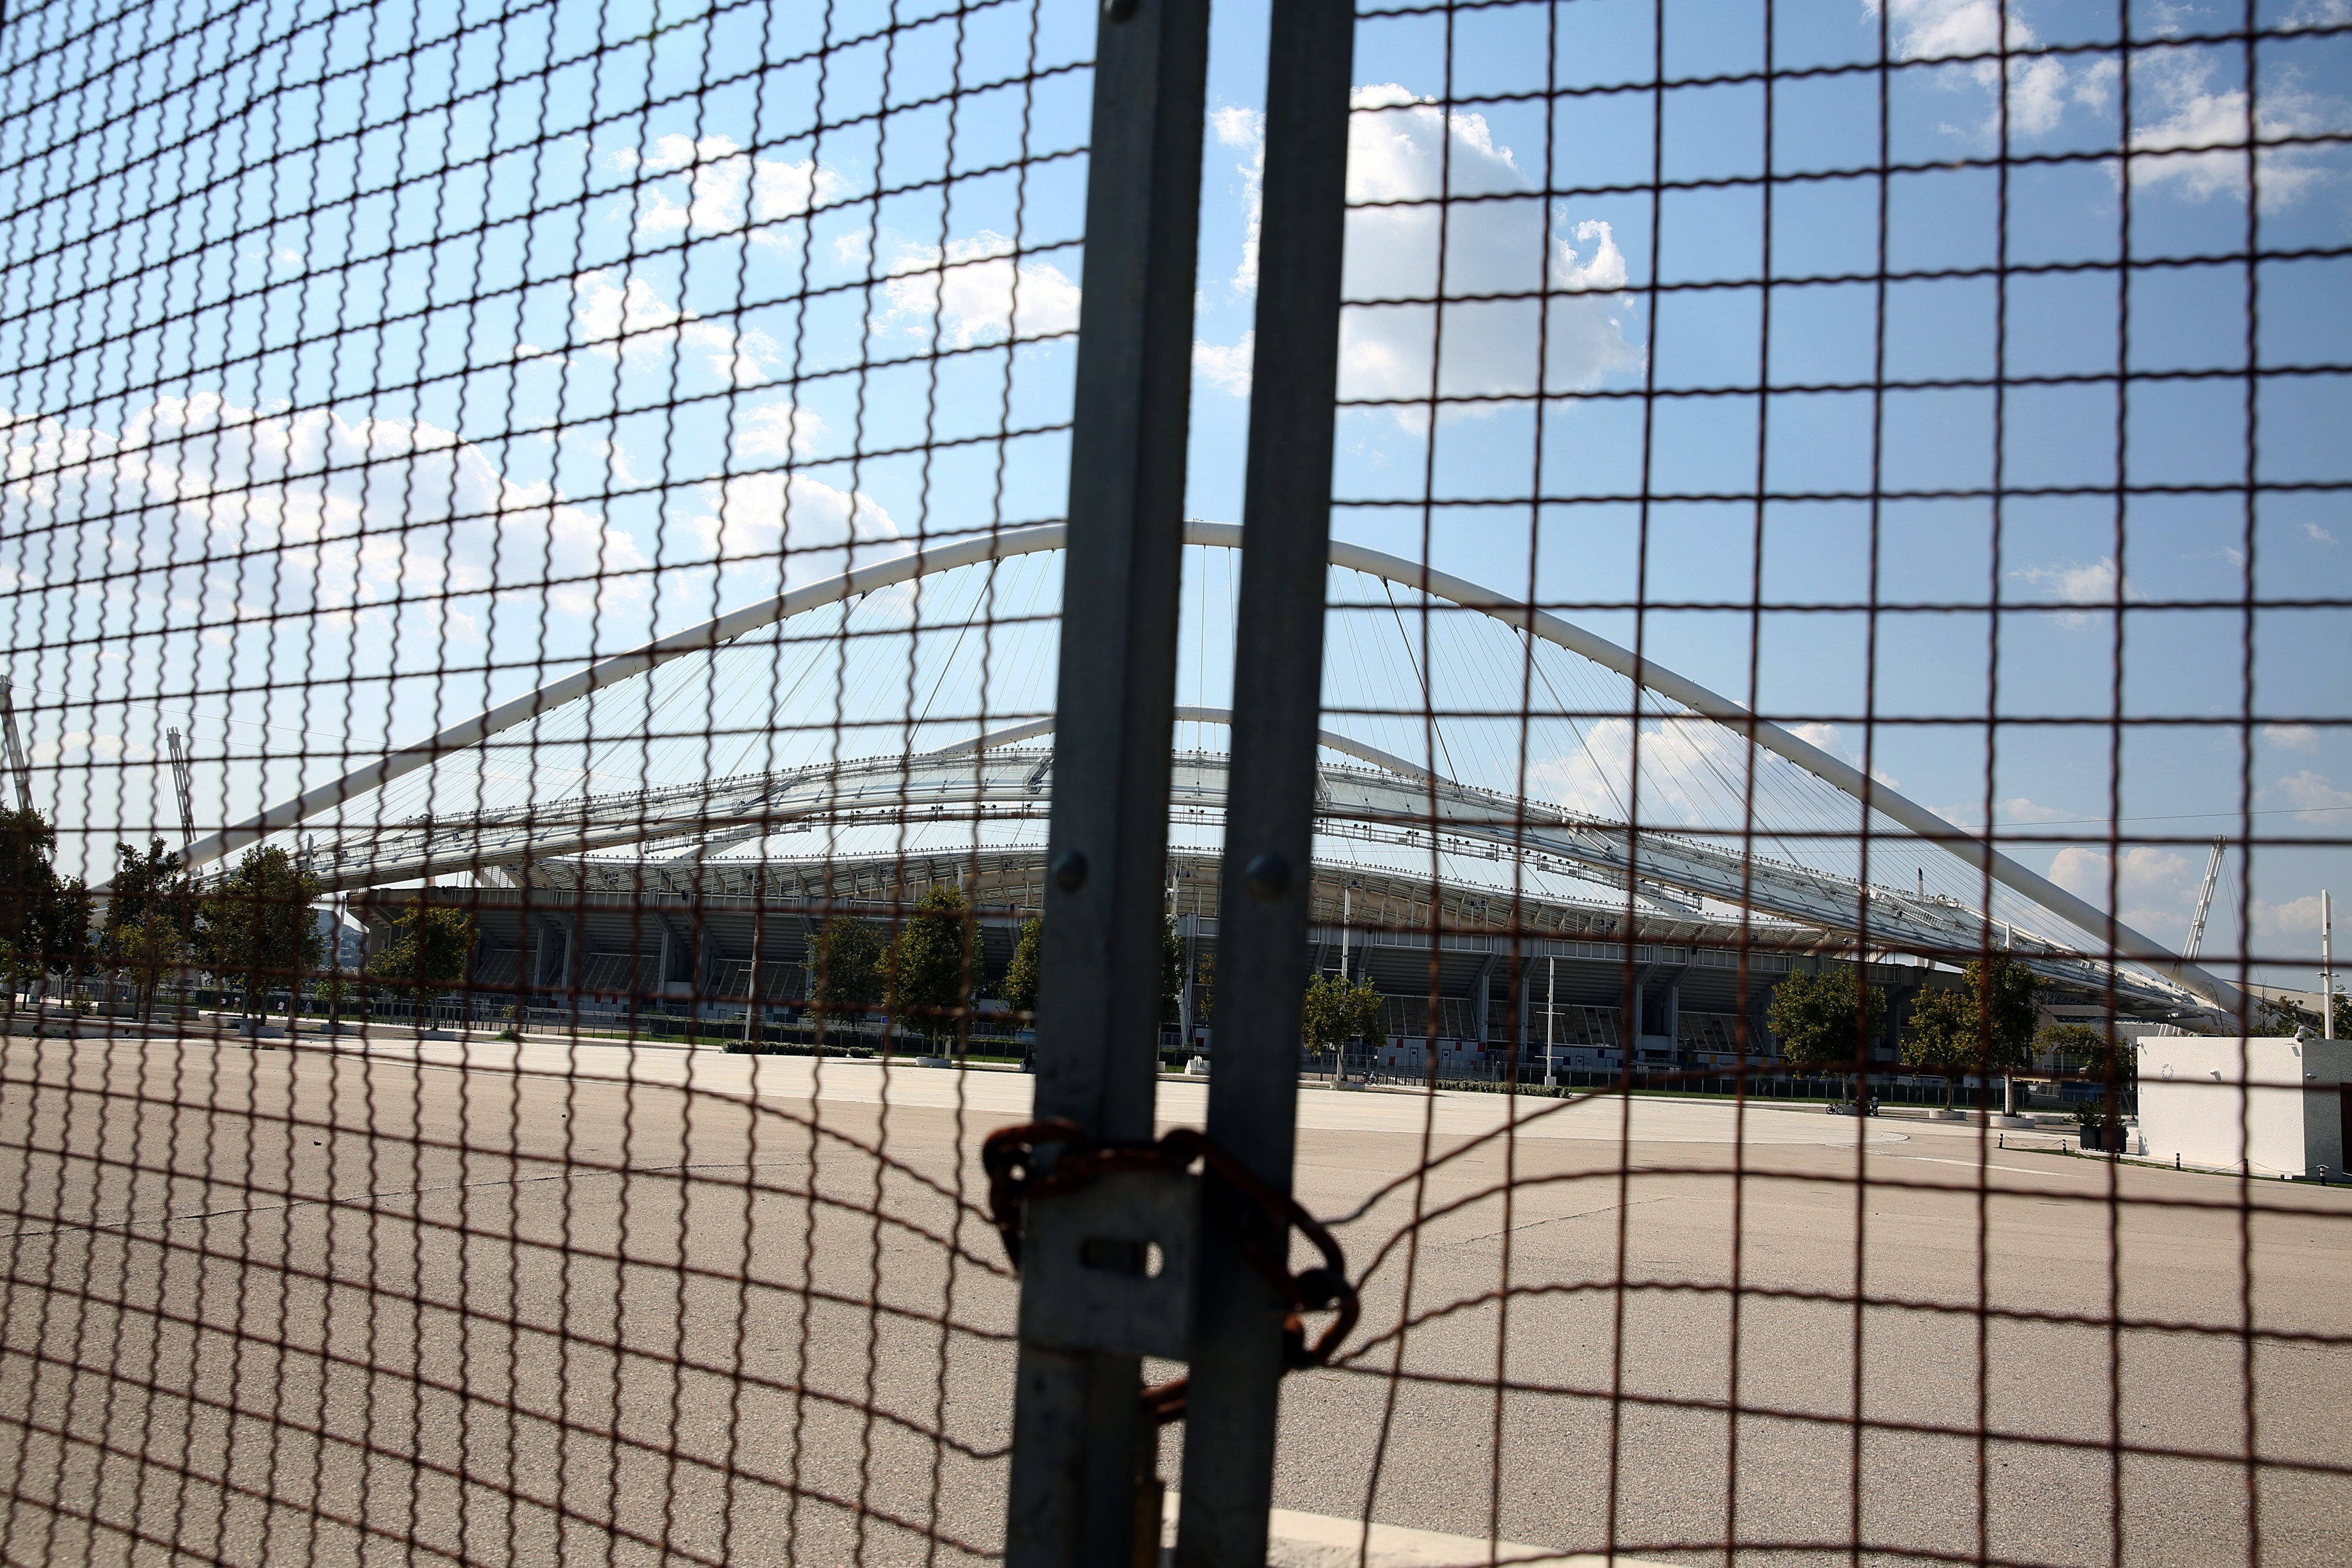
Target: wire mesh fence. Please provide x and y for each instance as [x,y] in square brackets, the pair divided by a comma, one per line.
[1795,455]
[373,367]
[546,764]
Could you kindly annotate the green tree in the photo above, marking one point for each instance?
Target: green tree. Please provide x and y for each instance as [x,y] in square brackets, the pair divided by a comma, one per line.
[428,957]
[1822,1023]
[27,878]
[1172,975]
[1987,1028]
[850,966]
[1204,990]
[20,970]
[1020,986]
[147,950]
[2275,1016]
[1338,1010]
[256,925]
[2109,1059]
[149,894]
[44,918]
[932,963]
[61,934]
[150,881]
[2079,1047]
[336,992]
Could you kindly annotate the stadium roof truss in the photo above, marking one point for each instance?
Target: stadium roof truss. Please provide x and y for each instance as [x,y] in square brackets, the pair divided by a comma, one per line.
[1391,800]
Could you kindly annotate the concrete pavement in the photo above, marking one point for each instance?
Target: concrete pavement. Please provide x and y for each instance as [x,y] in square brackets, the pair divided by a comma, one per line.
[521,1302]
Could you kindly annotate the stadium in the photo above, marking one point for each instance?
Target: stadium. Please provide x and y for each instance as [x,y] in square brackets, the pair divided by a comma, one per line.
[1624,890]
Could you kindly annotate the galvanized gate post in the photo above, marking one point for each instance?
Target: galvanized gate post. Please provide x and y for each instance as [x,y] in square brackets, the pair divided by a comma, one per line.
[1079,1440]
[1236,1360]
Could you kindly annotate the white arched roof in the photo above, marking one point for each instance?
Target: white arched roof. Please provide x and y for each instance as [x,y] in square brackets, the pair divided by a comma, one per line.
[928,560]
[1347,745]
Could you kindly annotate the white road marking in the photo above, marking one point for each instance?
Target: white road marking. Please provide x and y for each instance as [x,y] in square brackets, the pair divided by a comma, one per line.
[1297,1540]
[1971,1165]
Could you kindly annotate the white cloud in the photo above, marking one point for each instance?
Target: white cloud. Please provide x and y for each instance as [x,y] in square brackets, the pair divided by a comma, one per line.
[1830,738]
[2196,148]
[2086,582]
[776,430]
[2040,86]
[975,293]
[1693,772]
[1227,369]
[616,315]
[711,176]
[2309,790]
[709,199]
[2287,929]
[1940,29]
[2156,889]
[1679,762]
[2076,583]
[1402,149]
[1237,127]
[819,526]
[2018,808]
[2312,530]
[72,746]
[2294,737]
[352,512]
[1245,128]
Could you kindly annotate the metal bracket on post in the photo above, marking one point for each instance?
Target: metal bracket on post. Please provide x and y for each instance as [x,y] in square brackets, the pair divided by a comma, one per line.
[1109,1265]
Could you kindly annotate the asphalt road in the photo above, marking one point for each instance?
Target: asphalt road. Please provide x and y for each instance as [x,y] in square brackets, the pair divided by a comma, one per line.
[470,1300]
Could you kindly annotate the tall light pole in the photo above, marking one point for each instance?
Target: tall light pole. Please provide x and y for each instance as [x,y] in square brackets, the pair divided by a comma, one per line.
[1552,1002]
[2326,969]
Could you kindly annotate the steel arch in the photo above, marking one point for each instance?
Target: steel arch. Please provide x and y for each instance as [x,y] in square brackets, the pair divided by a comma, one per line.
[1972,850]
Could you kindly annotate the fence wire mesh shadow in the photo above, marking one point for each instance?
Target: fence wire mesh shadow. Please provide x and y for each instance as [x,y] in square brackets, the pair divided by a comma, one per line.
[310,1305]
[535,543]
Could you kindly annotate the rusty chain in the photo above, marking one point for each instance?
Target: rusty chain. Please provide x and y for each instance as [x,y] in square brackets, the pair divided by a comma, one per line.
[1008,1156]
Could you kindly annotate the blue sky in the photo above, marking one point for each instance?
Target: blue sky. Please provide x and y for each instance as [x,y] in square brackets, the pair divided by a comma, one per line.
[517,340]
[1590,545]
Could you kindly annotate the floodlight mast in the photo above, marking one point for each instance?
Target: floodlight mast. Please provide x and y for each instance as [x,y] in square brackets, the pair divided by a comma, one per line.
[19,768]
[181,790]
[2204,902]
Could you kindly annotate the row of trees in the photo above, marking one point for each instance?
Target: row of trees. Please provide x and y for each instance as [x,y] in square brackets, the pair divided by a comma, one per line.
[924,975]
[256,930]
[1826,1021]
[928,974]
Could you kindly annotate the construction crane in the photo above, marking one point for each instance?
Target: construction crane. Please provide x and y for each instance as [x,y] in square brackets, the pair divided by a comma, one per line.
[19,768]
[181,789]
[2204,902]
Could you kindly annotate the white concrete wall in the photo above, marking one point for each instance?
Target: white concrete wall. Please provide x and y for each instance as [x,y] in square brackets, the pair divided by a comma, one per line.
[2218,1102]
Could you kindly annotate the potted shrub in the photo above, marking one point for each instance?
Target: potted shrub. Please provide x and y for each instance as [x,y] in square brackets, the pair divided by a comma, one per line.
[2102,1133]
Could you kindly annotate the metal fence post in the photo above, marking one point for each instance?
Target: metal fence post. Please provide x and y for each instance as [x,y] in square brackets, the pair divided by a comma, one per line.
[1079,1442]
[1263,908]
